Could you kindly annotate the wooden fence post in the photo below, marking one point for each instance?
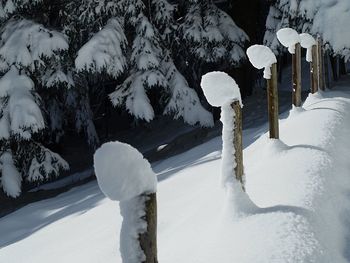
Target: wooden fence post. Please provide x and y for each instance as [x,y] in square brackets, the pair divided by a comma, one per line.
[238,143]
[320,66]
[296,73]
[314,70]
[272,101]
[326,69]
[148,239]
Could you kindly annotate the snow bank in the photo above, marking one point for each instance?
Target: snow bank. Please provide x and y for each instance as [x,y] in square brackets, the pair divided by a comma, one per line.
[122,172]
[307,41]
[301,181]
[288,38]
[262,57]
[219,89]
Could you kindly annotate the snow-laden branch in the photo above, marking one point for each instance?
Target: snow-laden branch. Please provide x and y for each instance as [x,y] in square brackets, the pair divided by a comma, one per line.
[25,43]
[104,51]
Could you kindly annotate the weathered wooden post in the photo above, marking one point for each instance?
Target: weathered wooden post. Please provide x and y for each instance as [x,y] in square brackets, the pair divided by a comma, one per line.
[222,91]
[238,141]
[262,57]
[326,68]
[320,65]
[296,75]
[272,101]
[290,39]
[307,41]
[314,70]
[125,176]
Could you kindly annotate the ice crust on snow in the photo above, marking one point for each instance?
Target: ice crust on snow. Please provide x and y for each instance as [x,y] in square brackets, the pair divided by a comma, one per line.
[307,41]
[122,172]
[219,88]
[288,38]
[262,57]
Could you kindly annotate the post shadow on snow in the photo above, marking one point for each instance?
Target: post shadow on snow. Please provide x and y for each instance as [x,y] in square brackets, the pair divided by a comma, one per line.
[345,220]
[66,205]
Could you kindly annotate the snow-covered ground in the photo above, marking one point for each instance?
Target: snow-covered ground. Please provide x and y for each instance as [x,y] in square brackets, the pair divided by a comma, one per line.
[301,183]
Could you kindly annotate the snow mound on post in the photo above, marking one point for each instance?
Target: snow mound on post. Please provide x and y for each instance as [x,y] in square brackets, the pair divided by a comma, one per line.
[288,38]
[262,57]
[122,172]
[307,41]
[219,88]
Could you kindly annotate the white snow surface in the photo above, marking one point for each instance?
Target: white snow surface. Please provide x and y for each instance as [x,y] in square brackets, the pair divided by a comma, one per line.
[262,57]
[122,172]
[288,38]
[301,184]
[220,89]
[307,41]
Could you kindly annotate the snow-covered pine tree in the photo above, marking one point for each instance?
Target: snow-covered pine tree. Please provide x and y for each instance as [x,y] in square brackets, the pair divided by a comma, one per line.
[208,37]
[145,62]
[27,49]
[80,21]
[311,16]
[283,13]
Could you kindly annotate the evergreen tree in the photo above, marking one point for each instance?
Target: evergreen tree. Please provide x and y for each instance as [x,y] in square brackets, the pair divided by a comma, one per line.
[208,38]
[29,62]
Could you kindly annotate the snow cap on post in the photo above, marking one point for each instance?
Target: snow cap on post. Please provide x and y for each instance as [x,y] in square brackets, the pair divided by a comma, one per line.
[219,89]
[307,41]
[122,172]
[288,38]
[262,57]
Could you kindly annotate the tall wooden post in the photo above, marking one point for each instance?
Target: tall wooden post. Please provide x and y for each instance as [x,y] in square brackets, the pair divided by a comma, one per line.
[314,70]
[238,142]
[320,64]
[272,101]
[296,75]
[148,239]
[326,69]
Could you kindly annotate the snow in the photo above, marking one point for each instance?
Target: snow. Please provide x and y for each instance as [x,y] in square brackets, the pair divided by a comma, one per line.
[104,51]
[11,179]
[122,172]
[288,38]
[24,43]
[301,182]
[133,212]
[262,57]
[21,115]
[307,41]
[219,88]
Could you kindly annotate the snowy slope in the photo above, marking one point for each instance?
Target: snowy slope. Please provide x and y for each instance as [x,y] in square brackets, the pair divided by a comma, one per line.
[302,184]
